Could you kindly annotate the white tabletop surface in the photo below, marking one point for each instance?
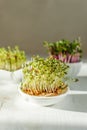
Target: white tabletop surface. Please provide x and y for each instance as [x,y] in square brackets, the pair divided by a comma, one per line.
[18,114]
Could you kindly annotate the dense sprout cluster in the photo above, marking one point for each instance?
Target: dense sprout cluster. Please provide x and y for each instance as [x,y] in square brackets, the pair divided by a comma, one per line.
[44,76]
[65,50]
[11,59]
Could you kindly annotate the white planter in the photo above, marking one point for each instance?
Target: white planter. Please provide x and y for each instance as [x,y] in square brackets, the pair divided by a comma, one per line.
[42,100]
[8,76]
[74,69]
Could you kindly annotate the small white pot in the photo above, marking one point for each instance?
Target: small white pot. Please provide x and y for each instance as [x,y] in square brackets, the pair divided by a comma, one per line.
[42,100]
[74,69]
[8,76]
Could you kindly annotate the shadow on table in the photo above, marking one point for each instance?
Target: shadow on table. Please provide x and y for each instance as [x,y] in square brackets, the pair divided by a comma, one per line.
[75,102]
[80,85]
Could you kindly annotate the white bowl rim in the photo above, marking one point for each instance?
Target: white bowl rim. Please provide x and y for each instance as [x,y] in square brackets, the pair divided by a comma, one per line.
[10,71]
[80,62]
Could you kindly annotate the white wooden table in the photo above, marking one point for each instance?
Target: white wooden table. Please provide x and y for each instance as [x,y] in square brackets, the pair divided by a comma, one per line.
[18,114]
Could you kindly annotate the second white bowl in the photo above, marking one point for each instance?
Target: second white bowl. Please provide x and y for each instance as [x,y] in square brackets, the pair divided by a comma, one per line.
[74,69]
[8,76]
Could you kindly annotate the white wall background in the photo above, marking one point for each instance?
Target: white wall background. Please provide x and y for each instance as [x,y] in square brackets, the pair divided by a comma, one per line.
[29,22]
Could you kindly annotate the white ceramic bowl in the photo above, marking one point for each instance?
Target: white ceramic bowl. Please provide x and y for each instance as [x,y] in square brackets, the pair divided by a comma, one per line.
[42,100]
[8,76]
[74,69]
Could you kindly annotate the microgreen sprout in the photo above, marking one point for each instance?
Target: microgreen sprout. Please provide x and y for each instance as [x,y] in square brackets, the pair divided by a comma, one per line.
[44,75]
[65,50]
[11,59]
